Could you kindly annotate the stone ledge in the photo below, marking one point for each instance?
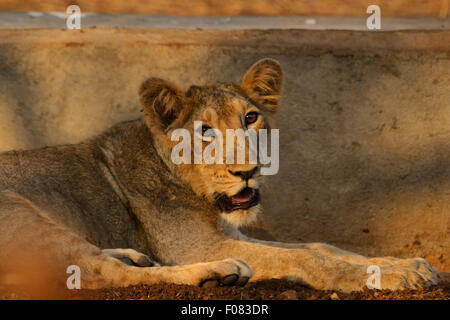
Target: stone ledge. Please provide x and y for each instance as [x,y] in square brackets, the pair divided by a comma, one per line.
[57,20]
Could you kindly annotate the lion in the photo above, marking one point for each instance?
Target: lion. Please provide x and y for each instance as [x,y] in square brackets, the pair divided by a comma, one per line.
[117,207]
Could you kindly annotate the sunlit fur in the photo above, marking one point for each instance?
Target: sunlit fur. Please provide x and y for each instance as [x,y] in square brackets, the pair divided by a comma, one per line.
[220,106]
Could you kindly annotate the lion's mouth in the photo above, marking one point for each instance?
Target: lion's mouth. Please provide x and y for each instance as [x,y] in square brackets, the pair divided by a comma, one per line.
[245,199]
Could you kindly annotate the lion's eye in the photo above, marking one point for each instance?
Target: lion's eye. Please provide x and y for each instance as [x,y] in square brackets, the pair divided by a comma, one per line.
[208,133]
[251,117]
[205,128]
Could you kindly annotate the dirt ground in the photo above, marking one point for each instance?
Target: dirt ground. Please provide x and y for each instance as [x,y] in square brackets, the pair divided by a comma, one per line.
[262,290]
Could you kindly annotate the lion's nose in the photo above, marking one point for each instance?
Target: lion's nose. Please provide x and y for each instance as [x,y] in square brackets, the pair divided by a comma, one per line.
[246,175]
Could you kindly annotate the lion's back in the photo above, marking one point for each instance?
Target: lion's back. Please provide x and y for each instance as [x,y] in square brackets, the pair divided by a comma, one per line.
[67,183]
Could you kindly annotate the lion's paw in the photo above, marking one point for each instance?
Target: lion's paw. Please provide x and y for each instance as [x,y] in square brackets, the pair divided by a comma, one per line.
[229,272]
[407,274]
[131,257]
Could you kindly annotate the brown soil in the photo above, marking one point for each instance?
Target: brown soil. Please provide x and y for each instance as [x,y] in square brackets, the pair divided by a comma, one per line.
[263,290]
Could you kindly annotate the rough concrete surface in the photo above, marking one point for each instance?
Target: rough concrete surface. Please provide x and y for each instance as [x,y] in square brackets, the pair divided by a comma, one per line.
[20,20]
[364,123]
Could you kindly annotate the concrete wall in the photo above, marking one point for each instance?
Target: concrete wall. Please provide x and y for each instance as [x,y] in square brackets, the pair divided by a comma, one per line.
[364,125]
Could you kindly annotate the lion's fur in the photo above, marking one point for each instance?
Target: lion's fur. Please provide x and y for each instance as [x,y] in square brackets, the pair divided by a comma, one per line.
[121,190]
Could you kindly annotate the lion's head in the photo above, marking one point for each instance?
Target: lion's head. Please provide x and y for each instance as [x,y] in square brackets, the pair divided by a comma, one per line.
[234,188]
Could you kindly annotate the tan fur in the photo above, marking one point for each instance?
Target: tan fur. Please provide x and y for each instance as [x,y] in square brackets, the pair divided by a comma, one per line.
[116,204]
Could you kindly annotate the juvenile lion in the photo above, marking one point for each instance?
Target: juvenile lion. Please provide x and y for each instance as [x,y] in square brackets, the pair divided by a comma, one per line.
[74,203]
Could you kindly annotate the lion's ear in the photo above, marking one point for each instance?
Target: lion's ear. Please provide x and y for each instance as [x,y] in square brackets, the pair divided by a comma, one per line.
[262,83]
[162,103]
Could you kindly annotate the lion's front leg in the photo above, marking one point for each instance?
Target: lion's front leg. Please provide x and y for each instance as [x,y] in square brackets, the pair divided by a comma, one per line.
[325,267]
[29,239]
[131,257]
